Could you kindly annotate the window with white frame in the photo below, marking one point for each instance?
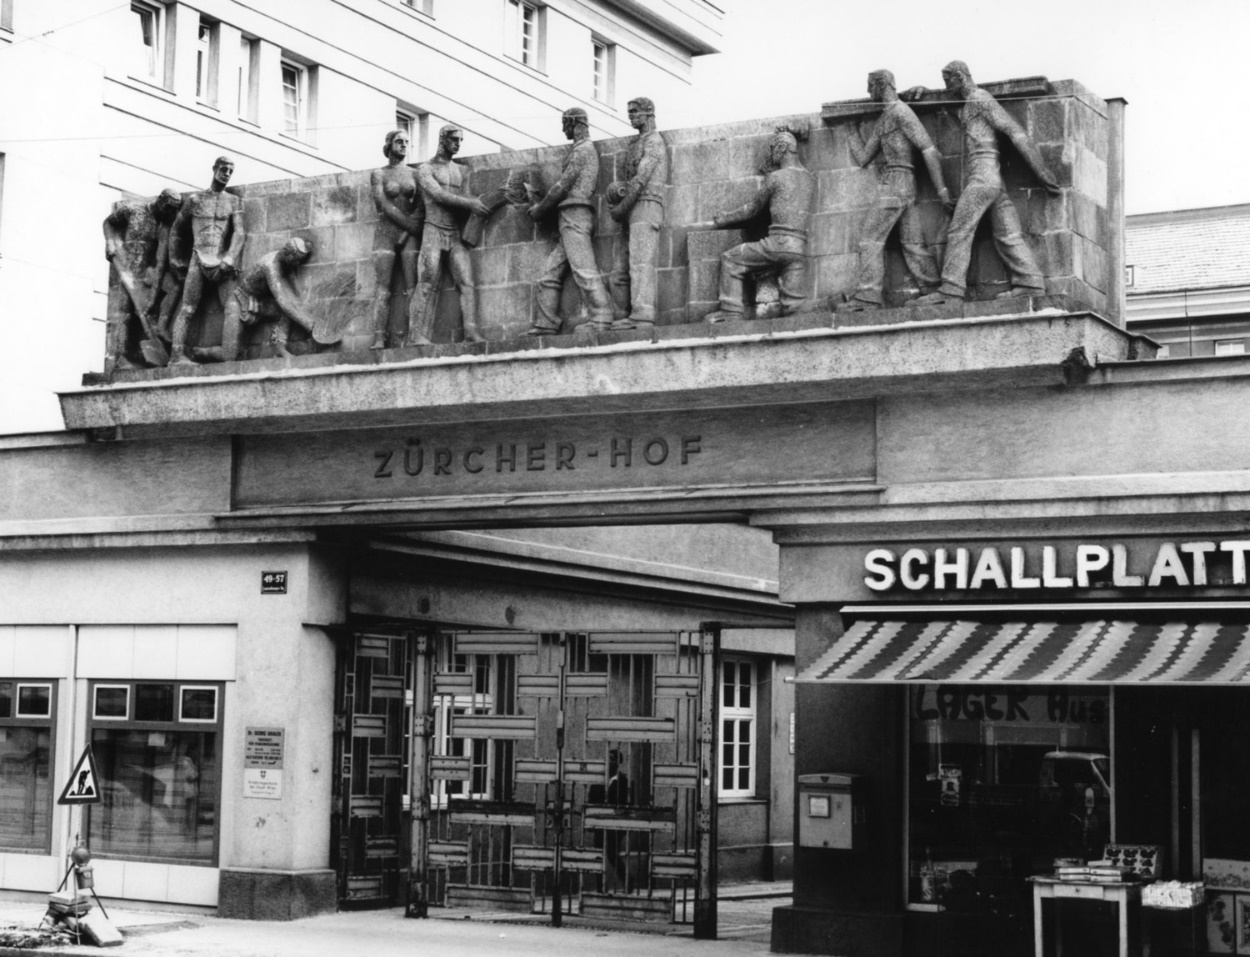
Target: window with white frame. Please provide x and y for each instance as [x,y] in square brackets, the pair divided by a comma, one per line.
[737,713]
[27,719]
[604,76]
[424,6]
[145,46]
[1230,347]
[417,125]
[248,51]
[524,40]
[294,98]
[157,747]
[206,59]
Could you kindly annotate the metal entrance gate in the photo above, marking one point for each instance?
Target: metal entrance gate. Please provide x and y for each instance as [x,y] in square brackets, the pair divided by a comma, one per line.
[566,774]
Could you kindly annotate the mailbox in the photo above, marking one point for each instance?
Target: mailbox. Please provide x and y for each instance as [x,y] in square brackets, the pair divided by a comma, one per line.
[831,811]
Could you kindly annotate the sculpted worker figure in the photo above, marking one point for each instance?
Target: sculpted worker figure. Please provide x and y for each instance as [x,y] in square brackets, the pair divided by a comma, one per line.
[787,195]
[442,182]
[897,135]
[401,220]
[637,203]
[136,242]
[267,290]
[574,194]
[215,220]
[983,118]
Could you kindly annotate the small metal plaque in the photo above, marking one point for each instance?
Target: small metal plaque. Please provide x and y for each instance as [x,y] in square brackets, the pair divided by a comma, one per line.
[273,583]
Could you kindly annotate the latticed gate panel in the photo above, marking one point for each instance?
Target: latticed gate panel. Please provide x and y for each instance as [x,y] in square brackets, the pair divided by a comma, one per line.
[566,774]
[372,770]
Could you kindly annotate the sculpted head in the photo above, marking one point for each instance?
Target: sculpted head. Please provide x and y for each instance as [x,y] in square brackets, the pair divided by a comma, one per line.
[573,118]
[878,82]
[640,109]
[449,139]
[780,145]
[223,169]
[957,76]
[396,144]
[295,251]
[167,204]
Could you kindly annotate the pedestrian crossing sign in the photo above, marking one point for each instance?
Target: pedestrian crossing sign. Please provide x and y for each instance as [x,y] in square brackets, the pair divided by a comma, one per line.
[83,786]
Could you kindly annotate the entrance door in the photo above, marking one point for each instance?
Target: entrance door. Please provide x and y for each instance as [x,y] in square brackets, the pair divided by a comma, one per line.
[568,774]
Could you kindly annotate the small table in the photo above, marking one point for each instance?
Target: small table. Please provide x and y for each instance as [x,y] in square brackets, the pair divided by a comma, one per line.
[1126,895]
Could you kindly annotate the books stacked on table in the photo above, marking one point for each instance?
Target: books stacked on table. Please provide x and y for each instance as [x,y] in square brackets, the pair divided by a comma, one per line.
[1100,872]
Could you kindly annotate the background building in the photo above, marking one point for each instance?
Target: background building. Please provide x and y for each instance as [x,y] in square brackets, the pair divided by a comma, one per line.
[1188,280]
[126,99]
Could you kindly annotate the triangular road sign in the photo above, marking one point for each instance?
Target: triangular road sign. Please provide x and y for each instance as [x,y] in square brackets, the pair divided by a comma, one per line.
[83,786]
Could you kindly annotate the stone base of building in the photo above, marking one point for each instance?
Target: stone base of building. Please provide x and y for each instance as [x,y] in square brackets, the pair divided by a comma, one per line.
[264,894]
[810,930]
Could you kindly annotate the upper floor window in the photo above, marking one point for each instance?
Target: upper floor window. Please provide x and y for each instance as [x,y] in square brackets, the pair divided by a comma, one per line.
[247,76]
[1130,276]
[737,746]
[147,59]
[604,66]
[206,60]
[525,23]
[425,6]
[1230,347]
[294,98]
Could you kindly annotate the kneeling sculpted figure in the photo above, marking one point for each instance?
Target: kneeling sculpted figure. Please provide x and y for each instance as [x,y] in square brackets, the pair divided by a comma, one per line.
[787,195]
[267,291]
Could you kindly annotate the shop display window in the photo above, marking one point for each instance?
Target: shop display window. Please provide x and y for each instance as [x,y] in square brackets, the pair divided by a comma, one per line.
[1002,782]
[157,747]
[27,710]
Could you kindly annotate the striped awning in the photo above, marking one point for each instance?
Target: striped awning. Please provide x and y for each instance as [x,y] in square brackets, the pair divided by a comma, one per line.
[1017,652]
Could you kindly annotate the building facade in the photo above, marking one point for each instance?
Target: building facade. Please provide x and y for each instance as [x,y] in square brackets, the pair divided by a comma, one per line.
[121,101]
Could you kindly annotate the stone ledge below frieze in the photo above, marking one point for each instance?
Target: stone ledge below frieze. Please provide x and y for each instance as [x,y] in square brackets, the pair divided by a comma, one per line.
[813,357]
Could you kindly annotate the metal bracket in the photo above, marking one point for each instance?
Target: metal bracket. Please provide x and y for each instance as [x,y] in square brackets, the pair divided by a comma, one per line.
[707,642]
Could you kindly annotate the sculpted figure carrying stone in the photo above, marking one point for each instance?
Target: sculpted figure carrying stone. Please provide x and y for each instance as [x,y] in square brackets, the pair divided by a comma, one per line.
[787,195]
[637,203]
[401,220]
[267,290]
[983,118]
[897,135]
[136,242]
[573,193]
[442,182]
[214,219]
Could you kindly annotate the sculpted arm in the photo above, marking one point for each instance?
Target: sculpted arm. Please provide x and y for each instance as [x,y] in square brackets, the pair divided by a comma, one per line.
[179,257]
[861,152]
[237,238]
[749,210]
[437,192]
[1001,120]
[652,156]
[114,229]
[920,139]
[283,292]
[560,189]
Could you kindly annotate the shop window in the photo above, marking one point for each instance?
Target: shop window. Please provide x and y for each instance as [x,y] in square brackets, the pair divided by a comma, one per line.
[604,67]
[157,747]
[145,42]
[737,744]
[526,39]
[27,710]
[206,59]
[1002,781]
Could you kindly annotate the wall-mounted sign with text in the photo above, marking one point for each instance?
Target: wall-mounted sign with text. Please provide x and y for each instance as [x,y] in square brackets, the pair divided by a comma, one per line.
[1074,565]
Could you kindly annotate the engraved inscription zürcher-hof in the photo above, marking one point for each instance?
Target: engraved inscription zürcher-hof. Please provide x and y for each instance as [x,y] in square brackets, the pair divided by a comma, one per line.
[824,442]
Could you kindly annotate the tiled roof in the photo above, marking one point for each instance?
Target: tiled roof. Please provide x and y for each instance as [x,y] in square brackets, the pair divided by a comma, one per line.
[1189,249]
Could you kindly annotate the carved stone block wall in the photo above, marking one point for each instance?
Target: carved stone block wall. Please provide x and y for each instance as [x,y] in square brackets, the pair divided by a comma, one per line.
[713,170]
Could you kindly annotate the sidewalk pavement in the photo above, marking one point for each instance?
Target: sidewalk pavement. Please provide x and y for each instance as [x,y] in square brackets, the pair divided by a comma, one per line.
[744,918]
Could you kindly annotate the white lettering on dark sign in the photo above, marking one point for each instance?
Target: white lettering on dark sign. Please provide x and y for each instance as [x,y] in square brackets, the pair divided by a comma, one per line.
[1183,564]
